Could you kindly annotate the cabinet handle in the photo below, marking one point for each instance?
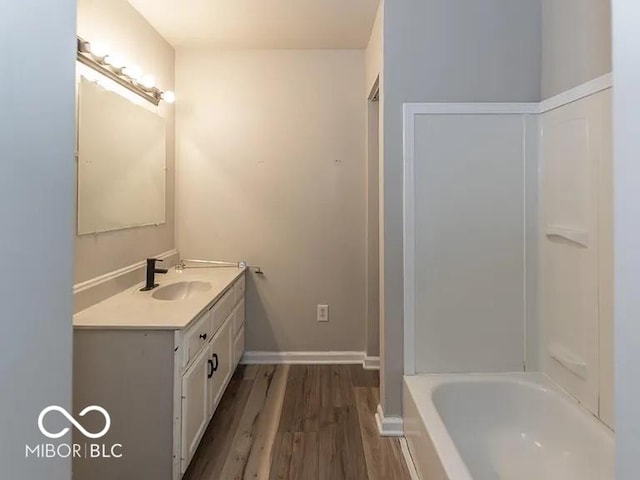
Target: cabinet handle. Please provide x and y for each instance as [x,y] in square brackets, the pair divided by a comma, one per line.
[203,336]
[215,357]
[210,369]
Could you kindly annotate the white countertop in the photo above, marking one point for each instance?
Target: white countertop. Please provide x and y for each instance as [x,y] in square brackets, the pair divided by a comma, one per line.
[133,309]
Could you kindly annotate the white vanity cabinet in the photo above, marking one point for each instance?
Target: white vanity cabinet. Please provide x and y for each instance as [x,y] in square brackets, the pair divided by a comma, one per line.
[202,387]
[160,384]
[209,357]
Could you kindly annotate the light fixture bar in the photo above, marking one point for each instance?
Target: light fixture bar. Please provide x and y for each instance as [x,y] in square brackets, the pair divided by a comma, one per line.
[152,94]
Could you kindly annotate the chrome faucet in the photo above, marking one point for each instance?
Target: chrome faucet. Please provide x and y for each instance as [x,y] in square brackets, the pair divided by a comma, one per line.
[151,274]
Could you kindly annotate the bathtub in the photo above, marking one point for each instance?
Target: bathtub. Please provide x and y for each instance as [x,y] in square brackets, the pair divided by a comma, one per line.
[502,427]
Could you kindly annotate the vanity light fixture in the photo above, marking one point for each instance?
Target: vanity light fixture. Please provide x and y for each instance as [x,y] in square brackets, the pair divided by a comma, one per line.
[148,81]
[97,57]
[134,72]
[98,50]
[115,61]
[168,97]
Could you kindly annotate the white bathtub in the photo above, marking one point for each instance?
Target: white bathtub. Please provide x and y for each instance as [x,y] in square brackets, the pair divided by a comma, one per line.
[504,426]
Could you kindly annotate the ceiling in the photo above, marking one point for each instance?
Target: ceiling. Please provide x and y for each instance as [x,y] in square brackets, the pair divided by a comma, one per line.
[264,24]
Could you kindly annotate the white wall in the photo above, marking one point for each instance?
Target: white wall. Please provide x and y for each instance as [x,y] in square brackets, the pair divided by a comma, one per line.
[468,215]
[272,159]
[576,43]
[442,51]
[626,107]
[37,125]
[117,24]
[576,312]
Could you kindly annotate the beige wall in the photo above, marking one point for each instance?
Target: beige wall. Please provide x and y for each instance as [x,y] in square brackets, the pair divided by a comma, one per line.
[576,43]
[127,33]
[271,169]
[373,52]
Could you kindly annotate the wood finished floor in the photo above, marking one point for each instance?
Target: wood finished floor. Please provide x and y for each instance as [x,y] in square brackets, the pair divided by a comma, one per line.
[298,422]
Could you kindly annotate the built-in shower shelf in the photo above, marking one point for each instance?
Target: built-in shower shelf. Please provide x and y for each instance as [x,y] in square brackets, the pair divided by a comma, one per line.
[580,237]
[568,359]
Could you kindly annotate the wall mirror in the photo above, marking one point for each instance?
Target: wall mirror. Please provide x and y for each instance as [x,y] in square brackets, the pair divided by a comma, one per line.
[121,161]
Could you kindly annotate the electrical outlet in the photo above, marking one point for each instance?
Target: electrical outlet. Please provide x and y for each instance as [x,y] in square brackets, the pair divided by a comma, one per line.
[323,313]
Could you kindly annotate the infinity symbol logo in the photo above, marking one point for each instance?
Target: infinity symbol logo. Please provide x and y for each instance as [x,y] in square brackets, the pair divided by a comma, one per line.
[64,431]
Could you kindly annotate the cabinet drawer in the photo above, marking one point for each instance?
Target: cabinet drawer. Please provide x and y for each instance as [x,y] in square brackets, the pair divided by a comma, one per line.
[222,309]
[240,288]
[238,317]
[197,337]
[238,347]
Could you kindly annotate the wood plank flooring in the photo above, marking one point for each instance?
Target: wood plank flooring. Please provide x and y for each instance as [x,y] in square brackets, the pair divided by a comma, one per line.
[298,422]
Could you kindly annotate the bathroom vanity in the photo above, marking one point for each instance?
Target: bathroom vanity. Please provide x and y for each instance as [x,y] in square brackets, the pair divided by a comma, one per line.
[158,362]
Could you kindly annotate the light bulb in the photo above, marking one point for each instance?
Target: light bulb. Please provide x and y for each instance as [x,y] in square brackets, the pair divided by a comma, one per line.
[168,96]
[98,49]
[115,61]
[148,81]
[134,72]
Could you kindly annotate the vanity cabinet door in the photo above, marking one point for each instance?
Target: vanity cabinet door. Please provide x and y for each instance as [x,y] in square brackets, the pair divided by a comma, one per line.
[195,404]
[220,355]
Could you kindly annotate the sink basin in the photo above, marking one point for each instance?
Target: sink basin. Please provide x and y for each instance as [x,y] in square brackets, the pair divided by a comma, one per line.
[180,290]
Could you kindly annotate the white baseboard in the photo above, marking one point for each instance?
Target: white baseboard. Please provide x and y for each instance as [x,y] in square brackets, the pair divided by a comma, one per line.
[408,459]
[293,358]
[311,358]
[389,426]
[371,363]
